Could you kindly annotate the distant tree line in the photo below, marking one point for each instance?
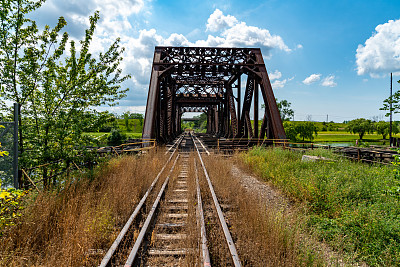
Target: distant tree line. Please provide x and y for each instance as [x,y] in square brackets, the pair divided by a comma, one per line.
[306,130]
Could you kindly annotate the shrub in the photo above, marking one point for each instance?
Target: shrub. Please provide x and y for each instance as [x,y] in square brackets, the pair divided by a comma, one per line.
[115,138]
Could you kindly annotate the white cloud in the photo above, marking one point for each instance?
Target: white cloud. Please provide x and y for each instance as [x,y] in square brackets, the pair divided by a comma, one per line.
[242,35]
[138,56]
[114,14]
[329,81]
[312,79]
[218,21]
[381,52]
[280,83]
[275,75]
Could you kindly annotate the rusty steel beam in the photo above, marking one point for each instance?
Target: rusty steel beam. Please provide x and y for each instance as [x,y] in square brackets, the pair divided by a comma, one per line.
[255,110]
[232,110]
[248,96]
[149,131]
[269,98]
[188,79]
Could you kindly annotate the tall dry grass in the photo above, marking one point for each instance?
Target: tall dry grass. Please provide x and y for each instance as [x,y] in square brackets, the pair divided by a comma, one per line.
[75,225]
[263,237]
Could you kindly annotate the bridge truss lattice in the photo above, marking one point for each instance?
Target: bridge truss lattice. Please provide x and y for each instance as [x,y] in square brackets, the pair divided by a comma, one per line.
[209,79]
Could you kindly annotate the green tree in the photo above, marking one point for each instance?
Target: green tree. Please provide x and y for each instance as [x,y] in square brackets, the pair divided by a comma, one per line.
[201,123]
[18,35]
[382,128]
[360,127]
[137,116]
[94,121]
[306,130]
[284,109]
[126,116]
[54,88]
[290,130]
[394,100]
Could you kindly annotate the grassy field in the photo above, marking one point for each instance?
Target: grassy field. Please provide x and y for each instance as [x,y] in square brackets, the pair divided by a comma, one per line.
[134,131]
[128,134]
[353,207]
[341,136]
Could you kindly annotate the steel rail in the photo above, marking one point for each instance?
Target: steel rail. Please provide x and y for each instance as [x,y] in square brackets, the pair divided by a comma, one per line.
[200,218]
[228,237]
[125,229]
[177,141]
[201,143]
[149,218]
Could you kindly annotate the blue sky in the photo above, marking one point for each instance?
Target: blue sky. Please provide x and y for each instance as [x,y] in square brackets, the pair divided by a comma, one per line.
[325,57]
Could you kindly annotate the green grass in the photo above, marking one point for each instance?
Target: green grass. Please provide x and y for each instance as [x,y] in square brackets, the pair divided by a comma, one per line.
[340,136]
[128,134]
[134,125]
[134,131]
[336,136]
[348,205]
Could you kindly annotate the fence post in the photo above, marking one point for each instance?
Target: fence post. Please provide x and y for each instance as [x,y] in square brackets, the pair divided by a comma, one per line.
[15,159]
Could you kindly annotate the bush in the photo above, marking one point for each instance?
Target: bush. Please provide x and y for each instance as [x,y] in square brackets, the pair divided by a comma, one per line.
[10,206]
[115,138]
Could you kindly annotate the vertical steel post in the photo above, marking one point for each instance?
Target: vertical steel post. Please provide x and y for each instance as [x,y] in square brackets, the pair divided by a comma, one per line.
[238,100]
[15,155]
[391,100]
[256,109]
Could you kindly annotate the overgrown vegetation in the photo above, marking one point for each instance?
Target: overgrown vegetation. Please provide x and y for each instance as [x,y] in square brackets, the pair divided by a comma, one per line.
[263,236]
[10,206]
[74,224]
[354,207]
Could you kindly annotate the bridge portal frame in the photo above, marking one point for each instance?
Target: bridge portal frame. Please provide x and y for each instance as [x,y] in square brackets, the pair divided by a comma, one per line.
[204,78]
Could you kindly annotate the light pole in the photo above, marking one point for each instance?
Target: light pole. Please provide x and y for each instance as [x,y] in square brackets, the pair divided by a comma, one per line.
[390,107]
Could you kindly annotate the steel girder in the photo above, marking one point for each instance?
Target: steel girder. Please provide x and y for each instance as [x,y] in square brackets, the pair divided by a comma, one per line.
[189,79]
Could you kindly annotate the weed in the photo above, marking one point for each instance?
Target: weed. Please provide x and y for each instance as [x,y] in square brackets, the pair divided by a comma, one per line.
[76,224]
[349,205]
[264,237]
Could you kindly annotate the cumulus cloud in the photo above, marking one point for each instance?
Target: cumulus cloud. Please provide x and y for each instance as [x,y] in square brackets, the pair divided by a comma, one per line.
[218,21]
[312,79]
[140,51]
[250,36]
[275,75]
[236,33]
[329,81]
[381,52]
[280,83]
[225,31]
[114,14]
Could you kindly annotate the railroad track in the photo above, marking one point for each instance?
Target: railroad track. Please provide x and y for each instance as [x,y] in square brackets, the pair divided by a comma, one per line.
[171,231]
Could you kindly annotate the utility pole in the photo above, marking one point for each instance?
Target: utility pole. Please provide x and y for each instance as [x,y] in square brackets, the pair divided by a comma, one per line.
[391,100]
[327,118]
[15,154]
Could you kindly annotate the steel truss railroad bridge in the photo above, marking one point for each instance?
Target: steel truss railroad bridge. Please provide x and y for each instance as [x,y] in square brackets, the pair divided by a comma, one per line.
[208,79]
